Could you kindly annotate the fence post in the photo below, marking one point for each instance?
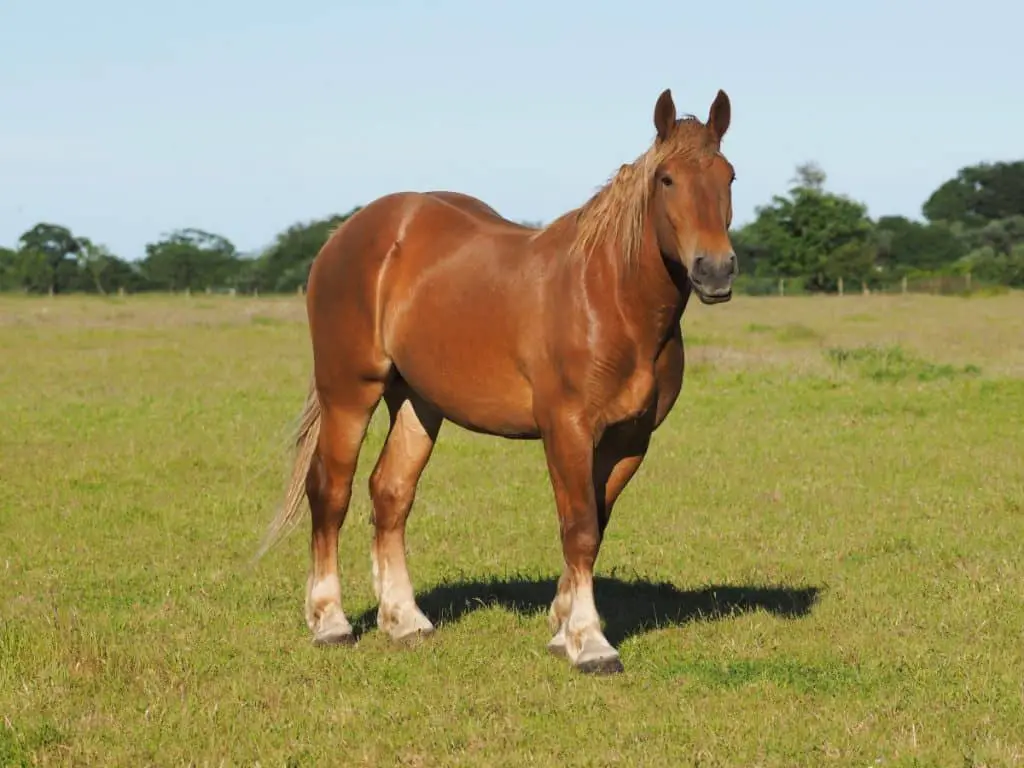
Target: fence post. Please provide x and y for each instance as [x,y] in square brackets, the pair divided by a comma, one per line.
[840,286]
[864,288]
[782,286]
[968,276]
[903,284]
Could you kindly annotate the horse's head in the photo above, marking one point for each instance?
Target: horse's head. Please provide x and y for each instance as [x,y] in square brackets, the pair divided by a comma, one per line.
[692,196]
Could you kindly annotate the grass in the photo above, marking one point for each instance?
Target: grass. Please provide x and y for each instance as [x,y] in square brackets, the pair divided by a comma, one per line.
[820,563]
[895,364]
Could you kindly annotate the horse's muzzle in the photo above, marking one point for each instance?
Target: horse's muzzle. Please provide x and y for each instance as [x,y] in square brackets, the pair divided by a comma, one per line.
[712,277]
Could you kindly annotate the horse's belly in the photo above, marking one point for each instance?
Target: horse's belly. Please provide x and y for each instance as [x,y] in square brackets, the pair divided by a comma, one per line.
[456,322]
[479,393]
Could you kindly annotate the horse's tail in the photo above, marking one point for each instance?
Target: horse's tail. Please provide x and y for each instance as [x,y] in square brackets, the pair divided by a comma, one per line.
[307,435]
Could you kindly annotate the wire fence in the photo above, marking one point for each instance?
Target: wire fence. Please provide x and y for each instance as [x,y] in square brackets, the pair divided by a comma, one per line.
[939,285]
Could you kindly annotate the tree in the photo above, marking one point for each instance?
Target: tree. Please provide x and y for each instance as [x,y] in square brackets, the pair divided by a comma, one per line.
[190,259]
[53,245]
[93,261]
[905,245]
[9,268]
[799,234]
[809,175]
[30,271]
[284,266]
[753,256]
[979,194]
[1003,268]
[853,260]
[1001,235]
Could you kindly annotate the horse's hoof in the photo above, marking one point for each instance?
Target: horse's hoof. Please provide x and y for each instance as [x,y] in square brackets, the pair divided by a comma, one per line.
[598,659]
[405,627]
[414,637]
[334,629]
[611,665]
[334,636]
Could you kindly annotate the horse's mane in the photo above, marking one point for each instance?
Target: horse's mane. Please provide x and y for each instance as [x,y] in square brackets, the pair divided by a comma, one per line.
[617,211]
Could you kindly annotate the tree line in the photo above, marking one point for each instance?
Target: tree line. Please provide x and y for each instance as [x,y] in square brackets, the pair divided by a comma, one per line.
[973,226]
[810,237]
[50,258]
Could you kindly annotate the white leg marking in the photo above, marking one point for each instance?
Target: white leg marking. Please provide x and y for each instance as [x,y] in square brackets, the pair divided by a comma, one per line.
[397,612]
[585,643]
[324,615]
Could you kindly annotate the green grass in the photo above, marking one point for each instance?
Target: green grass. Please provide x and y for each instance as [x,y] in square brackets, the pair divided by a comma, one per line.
[895,364]
[820,563]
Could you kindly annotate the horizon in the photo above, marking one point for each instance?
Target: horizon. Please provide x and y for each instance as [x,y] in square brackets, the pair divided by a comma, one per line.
[244,120]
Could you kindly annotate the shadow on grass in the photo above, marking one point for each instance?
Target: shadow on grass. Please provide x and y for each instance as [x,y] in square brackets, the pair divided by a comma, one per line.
[628,608]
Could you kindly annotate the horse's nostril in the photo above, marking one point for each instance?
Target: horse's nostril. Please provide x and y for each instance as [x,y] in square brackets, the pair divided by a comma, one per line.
[698,265]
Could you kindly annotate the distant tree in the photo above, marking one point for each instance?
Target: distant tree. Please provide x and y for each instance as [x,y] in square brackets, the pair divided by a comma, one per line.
[799,234]
[119,274]
[753,256]
[853,260]
[979,194]
[10,262]
[31,272]
[809,175]
[1001,235]
[190,259]
[53,245]
[905,245]
[284,266]
[988,265]
[93,261]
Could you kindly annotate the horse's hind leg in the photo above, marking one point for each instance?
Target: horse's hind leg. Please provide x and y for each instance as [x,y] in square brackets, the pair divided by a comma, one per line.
[346,415]
[410,441]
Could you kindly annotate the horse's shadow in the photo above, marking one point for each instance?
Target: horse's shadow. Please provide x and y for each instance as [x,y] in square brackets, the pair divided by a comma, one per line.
[629,608]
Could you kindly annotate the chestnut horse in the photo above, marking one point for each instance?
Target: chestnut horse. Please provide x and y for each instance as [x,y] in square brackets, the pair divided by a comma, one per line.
[568,333]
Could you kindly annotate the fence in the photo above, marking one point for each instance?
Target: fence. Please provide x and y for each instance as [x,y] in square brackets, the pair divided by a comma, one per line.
[939,285]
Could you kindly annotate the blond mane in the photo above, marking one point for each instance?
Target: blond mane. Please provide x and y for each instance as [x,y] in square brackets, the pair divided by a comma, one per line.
[617,212]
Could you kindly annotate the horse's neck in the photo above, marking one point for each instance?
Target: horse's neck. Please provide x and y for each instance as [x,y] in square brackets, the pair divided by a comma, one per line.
[652,292]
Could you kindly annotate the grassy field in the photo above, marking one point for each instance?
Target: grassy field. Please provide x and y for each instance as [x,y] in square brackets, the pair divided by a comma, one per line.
[820,563]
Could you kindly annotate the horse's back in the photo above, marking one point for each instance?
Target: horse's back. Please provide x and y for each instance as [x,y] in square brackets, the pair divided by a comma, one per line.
[476,206]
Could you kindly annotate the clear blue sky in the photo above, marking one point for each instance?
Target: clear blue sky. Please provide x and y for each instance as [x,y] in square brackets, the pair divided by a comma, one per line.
[126,119]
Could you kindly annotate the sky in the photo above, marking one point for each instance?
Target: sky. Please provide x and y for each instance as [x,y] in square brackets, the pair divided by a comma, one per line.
[125,120]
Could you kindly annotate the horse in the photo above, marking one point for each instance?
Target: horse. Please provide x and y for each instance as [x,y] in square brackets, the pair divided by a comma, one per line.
[569,333]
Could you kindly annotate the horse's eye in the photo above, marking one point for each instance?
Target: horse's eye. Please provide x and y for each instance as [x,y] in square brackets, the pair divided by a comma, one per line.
[666,180]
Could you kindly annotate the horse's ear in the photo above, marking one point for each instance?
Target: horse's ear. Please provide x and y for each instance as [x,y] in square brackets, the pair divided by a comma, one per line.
[720,115]
[665,114]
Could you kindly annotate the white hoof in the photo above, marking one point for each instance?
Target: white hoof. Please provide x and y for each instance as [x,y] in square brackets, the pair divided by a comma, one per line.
[333,629]
[404,624]
[597,658]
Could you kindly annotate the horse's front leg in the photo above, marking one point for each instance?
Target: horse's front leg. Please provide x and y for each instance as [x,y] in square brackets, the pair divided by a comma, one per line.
[617,459]
[569,448]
